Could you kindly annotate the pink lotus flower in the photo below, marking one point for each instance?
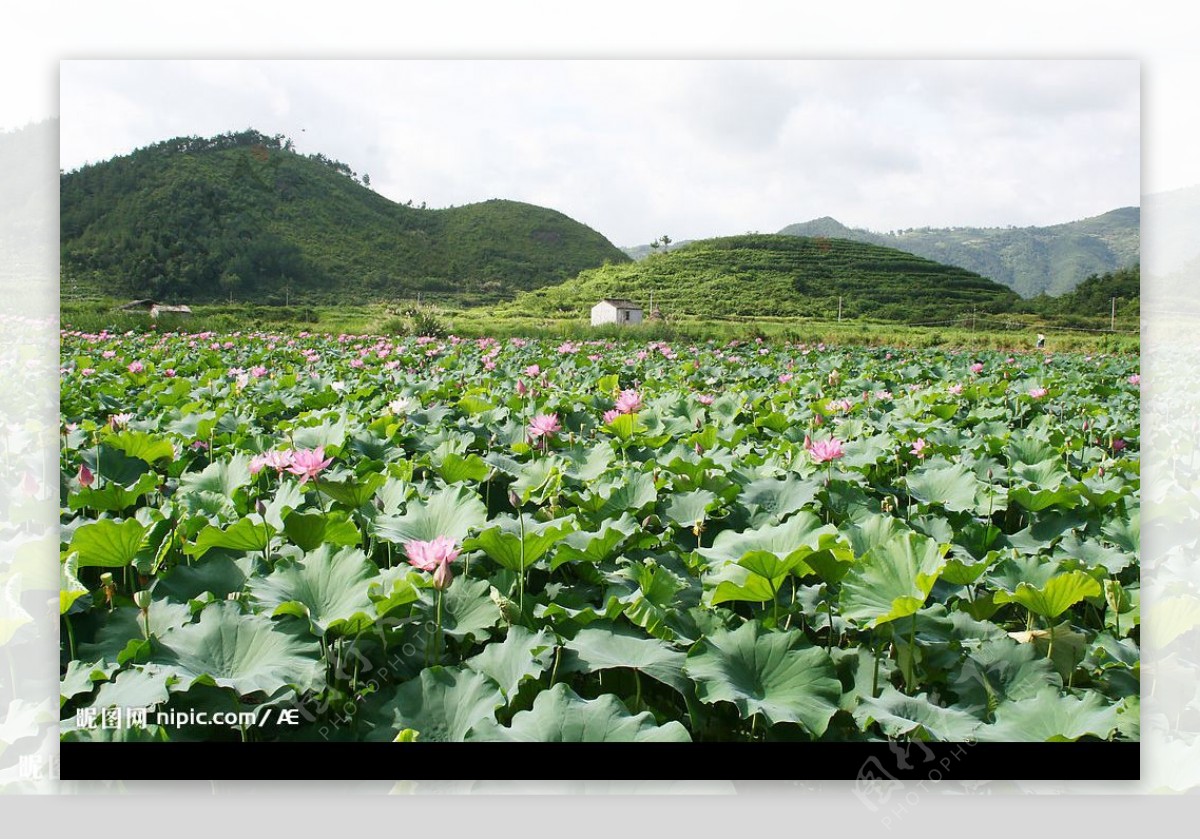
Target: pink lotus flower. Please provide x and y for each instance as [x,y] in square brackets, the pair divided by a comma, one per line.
[611,415]
[883,395]
[977,368]
[258,371]
[955,389]
[918,447]
[87,371]
[169,373]
[308,463]
[489,364]
[1136,379]
[544,425]
[785,378]
[277,460]
[86,477]
[136,367]
[1118,444]
[119,421]
[706,399]
[435,556]
[629,402]
[829,449]
[533,371]
[1038,393]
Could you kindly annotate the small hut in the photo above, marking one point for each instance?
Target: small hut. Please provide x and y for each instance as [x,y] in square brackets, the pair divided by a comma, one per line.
[616,311]
[154,307]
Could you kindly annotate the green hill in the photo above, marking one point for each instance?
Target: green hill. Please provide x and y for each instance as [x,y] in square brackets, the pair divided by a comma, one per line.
[244,215]
[773,275]
[1030,260]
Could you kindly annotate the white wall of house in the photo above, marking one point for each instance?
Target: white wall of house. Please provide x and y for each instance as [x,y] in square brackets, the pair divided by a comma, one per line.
[606,313]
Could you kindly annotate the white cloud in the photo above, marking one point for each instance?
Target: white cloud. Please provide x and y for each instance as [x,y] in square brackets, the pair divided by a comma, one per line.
[639,148]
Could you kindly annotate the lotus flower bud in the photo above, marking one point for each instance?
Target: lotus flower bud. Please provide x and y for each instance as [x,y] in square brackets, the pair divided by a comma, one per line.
[442,576]
[86,477]
[141,599]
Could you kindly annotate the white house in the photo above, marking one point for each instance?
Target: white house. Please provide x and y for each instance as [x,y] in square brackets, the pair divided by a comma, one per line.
[616,311]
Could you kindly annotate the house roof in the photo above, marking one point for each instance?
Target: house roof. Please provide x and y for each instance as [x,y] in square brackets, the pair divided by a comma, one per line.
[145,303]
[621,303]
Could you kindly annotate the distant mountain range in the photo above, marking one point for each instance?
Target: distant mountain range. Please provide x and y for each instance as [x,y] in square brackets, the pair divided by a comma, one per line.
[1049,260]
[244,216]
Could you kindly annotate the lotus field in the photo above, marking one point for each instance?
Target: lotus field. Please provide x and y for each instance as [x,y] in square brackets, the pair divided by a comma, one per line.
[372,539]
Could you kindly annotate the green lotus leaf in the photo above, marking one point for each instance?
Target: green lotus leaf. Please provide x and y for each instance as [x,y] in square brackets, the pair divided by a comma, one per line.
[595,546]
[247,653]
[1051,716]
[778,675]
[81,677]
[690,508]
[143,445]
[737,583]
[134,688]
[445,704]
[112,496]
[872,531]
[467,609]
[953,487]
[892,580]
[456,468]
[218,574]
[107,543]
[326,587]
[559,715]
[1055,596]
[901,716]
[596,648]
[220,477]
[771,500]
[1124,531]
[788,543]
[70,589]
[518,543]
[250,533]
[330,435]
[310,530]
[522,655]
[451,512]
[355,491]
[1002,669]
[634,492]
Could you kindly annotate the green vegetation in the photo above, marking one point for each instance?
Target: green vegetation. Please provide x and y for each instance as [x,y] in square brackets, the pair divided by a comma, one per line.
[243,217]
[1096,298]
[1030,260]
[779,276]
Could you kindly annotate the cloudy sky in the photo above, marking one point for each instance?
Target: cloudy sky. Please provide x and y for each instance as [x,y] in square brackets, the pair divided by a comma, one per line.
[637,149]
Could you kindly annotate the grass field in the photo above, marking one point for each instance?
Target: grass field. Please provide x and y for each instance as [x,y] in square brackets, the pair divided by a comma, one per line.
[1013,332]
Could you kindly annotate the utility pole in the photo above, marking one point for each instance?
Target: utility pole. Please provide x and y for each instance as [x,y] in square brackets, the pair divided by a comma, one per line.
[839,309]
[1112,324]
[972,319]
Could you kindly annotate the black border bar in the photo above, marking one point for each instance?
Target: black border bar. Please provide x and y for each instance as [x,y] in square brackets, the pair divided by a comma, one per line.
[874,764]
